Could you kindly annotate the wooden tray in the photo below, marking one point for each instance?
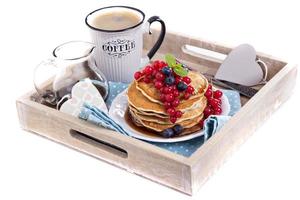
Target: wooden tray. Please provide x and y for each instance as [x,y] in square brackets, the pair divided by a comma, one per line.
[185,174]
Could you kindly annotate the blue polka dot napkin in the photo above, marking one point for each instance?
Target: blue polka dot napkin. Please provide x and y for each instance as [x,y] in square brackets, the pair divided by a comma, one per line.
[184,148]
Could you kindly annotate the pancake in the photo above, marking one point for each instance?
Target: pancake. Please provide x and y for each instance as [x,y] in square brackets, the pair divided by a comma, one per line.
[198,81]
[140,102]
[160,127]
[145,130]
[165,120]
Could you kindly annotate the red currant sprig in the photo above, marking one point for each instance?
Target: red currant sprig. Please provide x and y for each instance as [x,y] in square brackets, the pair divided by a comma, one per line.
[214,103]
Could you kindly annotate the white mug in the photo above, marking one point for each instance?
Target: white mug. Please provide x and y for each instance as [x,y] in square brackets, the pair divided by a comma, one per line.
[118,53]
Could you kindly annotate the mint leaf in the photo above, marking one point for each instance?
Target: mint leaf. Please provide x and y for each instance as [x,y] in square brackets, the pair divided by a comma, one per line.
[180,71]
[170,59]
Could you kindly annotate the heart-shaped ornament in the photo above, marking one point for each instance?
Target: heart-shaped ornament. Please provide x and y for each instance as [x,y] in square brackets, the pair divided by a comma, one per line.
[83,92]
[241,67]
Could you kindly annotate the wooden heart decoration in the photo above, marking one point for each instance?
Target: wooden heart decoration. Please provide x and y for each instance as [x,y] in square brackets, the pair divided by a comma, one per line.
[83,92]
[240,66]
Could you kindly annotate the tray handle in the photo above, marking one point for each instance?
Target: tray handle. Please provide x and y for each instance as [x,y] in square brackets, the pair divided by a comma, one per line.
[96,142]
[203,53]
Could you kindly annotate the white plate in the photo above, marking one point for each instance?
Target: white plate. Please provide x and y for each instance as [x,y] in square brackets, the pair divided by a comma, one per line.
[117,113]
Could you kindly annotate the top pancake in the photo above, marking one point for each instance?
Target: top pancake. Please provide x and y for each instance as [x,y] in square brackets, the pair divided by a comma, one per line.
[199,83]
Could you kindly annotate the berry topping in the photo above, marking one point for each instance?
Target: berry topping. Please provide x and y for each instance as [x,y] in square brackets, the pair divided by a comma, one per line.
[207,111]
[177,129]
[158,84]
[178,79]
[162,97]
[186,79]
[208,93]
[178,114]
[167,104]
[170,97]
[167,90]
[159,76]
[170,80]
[171,111]
[186,95]
[166,71]
[147,79]
[148,70]
[218,94]
[176,93]
[181,86]
[137,75]
[175,103]
[190,89]
[167,133]
[214,103]
[173,119]
[217,111]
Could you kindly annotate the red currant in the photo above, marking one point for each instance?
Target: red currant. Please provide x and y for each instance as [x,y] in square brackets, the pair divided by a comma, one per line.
[173,119]
[186,79]
[156,64]
[171,111]
[148,70]
[137,75]
[207,111]
[208,93]
[154,72]
[218,94]
[159,76]
[190,89]
[175,103]
[162,97]
[219,101]
[158,84]
[209,87]
[176,93]
[186,95]
[178,114]
[178,79]
[214,103]
[161,90]
[167,105]
[147,79]
[170,97]
[217,111]
[167,90]
[162,64]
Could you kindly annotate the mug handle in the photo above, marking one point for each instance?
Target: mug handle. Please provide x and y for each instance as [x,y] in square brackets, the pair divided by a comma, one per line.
[161,35]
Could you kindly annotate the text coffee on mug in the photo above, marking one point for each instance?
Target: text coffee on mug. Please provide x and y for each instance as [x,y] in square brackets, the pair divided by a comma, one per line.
[117,32]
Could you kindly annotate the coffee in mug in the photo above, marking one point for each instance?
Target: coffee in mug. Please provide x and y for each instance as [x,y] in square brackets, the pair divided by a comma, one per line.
[117,32]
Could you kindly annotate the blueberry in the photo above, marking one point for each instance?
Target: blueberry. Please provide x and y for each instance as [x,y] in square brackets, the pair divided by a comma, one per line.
[166,71]
[170,80]
[167,133]
[177,129]
[181,86]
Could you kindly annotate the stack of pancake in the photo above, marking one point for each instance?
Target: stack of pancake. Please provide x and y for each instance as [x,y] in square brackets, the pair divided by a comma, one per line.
[146,109]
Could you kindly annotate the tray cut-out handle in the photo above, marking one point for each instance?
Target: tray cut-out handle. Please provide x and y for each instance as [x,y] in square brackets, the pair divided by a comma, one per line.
[203,53]
[103,145]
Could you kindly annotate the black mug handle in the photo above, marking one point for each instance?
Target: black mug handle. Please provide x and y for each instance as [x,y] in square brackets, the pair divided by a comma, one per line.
[161,35]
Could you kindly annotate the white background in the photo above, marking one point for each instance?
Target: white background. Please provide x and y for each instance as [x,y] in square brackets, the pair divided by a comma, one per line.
[265,167]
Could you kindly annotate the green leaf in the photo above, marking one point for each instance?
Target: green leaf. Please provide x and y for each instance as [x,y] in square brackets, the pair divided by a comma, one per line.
[170,59]
[180,71]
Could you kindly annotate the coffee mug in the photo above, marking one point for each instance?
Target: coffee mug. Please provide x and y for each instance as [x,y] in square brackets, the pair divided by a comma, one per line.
[117,32]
